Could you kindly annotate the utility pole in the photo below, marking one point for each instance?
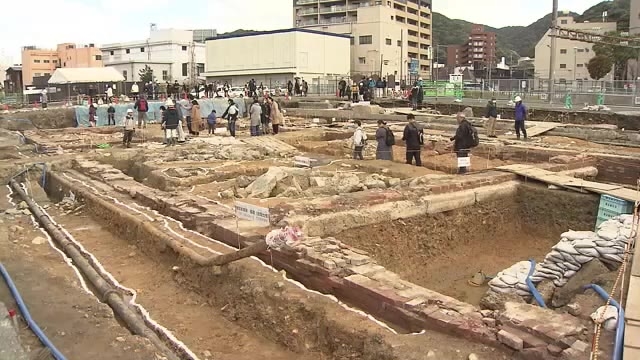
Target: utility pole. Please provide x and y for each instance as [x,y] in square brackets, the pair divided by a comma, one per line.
[552,62]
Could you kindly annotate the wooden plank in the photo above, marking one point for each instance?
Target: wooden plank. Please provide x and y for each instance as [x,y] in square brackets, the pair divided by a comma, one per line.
[632,310]
[625,194]
[540,129]
[632,337]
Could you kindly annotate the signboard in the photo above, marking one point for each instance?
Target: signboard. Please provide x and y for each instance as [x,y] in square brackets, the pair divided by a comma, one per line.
[464,162]
[413,67]
[524,84]
[253,213]
[303,161]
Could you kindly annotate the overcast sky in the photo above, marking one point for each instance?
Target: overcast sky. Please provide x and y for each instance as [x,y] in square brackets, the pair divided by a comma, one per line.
[45,23]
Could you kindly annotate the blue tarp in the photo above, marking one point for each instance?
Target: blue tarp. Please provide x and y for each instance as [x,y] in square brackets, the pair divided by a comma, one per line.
[206,105]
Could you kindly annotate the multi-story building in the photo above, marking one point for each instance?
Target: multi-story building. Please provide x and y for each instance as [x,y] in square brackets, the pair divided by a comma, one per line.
[43,62]
[480,51]
[388,35]
[572,56]
[201,35]
[454,56]
[170,54]
[634,17]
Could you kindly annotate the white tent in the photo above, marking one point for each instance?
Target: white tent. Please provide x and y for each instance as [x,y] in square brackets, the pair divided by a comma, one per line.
[85,75]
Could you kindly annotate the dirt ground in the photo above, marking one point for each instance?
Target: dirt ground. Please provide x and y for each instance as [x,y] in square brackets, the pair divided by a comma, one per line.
[442,251]
[185,313]
[77,323]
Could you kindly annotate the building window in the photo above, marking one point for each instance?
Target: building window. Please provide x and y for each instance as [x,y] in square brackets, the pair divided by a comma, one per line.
[46,74]
[586,50]
[580,50]
[124,74]
[128,51]
[362,60]
[184,48]
[399,43]
[37,61]
[563,51]
[64,64]
[563,66]
[165,75]
[365,40]
[563,22]
[46,61]
[352,41]
[424,67]
[580,65]
[141,49]
[388,41]
[112,53]
[36,74]
[184,69]
[98,57]
[391,17]
[55,61]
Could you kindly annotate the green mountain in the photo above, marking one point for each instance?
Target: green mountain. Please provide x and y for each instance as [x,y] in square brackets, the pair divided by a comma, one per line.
[521,39]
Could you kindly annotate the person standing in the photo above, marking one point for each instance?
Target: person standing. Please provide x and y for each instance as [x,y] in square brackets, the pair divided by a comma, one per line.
[196,118]
[385,140]
[305,88]
[109,93]
[129,125]
[354,93]
[171,123]
[342,88]
[142,106]
[255,118]
[276,115]
[135,91]
[289,88]
[176,90]
[265,116]
[44,99]
[211,122]
[492,116]
[231,114]
[463,140]
[414,96]
[297,87]
[521,116]
[225,88]
[92,115]
[412,137]
[359,141]
[111,114]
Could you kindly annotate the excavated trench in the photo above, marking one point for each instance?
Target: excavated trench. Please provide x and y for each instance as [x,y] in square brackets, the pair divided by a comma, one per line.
[443,251]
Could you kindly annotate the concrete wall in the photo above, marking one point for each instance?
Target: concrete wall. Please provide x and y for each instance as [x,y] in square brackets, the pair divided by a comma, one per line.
[74,56]
[634,17]
[569,53]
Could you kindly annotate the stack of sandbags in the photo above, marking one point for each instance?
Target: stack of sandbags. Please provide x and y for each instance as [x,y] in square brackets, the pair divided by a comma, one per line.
[567,256]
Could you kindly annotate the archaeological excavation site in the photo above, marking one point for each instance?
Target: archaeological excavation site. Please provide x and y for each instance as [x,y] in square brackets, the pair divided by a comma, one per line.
[285,247]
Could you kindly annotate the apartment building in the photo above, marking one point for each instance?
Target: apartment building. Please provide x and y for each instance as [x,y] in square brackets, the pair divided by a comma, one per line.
[387,35]
[572,56]
[43,62]
[168,52]
[480,51]
[634,17]
[454,56]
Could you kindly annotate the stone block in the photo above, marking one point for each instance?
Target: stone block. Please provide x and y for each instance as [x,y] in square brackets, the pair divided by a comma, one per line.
[356,259]
[329,264]
[529,340]
[544,323]
[366,270]
[488,193]
[554,350]
[415,302]
[340,262]
[510,340]
[450,201]
[491,322]
[581,346]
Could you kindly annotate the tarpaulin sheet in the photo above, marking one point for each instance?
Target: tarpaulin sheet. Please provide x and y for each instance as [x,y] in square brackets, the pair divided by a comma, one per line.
[206,105]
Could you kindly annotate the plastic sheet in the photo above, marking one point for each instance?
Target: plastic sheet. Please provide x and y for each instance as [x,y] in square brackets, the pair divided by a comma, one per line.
[206,105]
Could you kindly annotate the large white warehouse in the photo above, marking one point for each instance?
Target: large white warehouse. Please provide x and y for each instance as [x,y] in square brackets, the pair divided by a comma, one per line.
[275,57]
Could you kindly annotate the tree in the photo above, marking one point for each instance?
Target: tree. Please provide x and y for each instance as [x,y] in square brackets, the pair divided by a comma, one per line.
[599,66]
[618,54]
[146,74]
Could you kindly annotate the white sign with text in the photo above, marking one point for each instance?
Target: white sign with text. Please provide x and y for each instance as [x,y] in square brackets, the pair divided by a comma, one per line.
[257,214]
[464,162]
[303,161]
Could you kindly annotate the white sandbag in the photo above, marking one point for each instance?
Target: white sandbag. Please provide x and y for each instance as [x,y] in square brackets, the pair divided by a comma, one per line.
[625,232]
[591,252]
[577,235]
[509,280]
[497,282]
[608,232]
[523,293]
[585,243]
[607,315]
[569,273]
[607,250]
[583,259]
[616,258]
[502,290]
[564,247]
[572,266]
[553,267]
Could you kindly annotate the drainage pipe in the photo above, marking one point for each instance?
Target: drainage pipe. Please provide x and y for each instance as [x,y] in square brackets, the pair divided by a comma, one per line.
[27,316]
[108,294]
[532,287]
[619,340]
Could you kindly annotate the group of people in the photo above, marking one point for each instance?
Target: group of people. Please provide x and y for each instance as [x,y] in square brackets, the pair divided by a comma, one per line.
[261,114]
[465,138]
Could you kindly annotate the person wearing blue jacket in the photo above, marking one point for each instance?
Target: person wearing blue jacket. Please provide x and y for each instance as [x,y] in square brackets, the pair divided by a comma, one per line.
[521,116]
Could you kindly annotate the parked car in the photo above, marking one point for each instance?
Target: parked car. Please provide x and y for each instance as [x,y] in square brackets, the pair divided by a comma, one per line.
[236,91]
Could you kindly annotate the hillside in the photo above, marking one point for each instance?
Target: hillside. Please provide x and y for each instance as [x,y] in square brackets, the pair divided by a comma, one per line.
[521,39]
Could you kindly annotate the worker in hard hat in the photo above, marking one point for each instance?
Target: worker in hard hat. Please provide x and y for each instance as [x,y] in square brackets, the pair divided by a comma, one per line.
[520,116]
[129,125]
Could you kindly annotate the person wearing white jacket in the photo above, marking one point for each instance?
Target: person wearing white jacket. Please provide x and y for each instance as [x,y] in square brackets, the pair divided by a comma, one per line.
[359,140]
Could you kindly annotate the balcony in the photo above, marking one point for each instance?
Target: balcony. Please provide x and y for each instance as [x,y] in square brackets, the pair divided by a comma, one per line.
[307,23]
[307,12]
[333,20]
[333,9]
[306,2]
[401,1]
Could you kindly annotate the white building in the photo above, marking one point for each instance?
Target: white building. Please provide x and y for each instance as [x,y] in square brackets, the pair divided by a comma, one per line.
[275,57]
[634,17]
[572,56]
[167,52]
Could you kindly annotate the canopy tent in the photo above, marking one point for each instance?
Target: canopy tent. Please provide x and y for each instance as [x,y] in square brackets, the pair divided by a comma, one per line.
[85,75]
